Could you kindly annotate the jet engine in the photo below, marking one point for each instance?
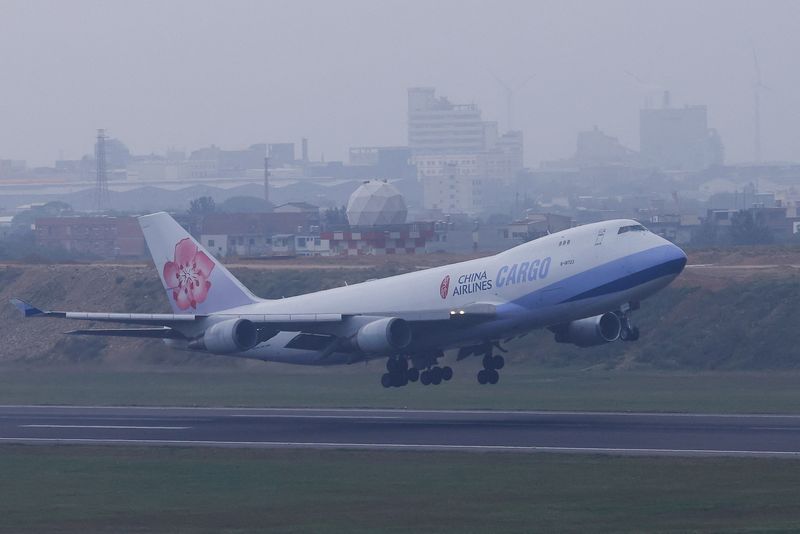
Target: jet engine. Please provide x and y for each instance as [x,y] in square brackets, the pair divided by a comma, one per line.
[383,336]
[591,331]
[233,335]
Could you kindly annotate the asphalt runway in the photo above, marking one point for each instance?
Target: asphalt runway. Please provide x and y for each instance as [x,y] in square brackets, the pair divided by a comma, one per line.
[567,432]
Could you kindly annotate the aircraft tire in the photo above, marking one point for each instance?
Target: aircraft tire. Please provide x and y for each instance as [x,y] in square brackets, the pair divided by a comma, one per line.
[436,376]
[447,373]
[399,379]
[493,376]
[634,333]
[498,362]
[386,380]
[482,378]
[412,374]
[425,378]
[488,362]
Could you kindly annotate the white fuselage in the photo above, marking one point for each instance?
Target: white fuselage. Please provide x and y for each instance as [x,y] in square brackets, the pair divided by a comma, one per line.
[569,275]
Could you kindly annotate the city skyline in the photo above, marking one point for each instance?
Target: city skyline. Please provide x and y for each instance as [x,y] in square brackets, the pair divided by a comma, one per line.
[192,74]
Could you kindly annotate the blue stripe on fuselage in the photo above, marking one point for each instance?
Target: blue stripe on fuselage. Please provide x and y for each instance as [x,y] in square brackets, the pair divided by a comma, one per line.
[614,276]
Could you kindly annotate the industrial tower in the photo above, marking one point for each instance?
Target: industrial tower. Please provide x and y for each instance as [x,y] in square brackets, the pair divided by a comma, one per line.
[101,188]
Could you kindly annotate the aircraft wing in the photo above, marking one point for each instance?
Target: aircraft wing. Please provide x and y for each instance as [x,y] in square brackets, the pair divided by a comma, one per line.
[477,310]
[173,326]
[160,332]
[168,319]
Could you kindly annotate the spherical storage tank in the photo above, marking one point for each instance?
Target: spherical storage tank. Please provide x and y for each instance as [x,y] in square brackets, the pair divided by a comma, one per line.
[376,203]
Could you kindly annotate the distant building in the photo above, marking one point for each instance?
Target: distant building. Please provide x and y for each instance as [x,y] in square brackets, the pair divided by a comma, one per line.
[281,154]
[459,157]
[435,125]
[250,234]
[6,226]
[107,237]
[451,184]
[231,162]
[117,154]
[12,168]
[536,225]
[299,245]
[678,138]
[595,148]
[377,241]
[298,207]
[376,203]
[382,162]
[680,229]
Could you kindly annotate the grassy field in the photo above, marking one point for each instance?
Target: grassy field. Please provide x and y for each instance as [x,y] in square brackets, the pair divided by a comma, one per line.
[522,387]
[85,489]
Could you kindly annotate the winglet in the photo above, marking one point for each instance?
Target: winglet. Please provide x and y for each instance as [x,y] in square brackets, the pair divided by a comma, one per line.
[27,310]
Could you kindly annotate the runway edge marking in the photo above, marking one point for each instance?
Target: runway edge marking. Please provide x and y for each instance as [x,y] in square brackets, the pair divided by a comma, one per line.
[405,446]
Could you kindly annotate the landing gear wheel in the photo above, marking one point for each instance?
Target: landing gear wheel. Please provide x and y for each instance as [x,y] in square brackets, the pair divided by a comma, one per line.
[399,379]
[488,362]
[482,376]
[392,365]
[493,376]
[447,373]
[436,376]
[629,334]
[412,374]
[425,378]
[386,380]
[498,362]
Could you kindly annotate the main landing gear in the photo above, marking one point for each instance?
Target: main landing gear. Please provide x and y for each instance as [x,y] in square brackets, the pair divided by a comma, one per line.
[491,365]
[399,373]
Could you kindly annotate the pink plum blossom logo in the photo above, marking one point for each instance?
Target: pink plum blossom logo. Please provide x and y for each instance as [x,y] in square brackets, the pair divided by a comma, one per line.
[187,276]
[444,287]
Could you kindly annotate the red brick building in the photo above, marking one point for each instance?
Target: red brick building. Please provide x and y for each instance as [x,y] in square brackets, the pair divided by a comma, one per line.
[107,237]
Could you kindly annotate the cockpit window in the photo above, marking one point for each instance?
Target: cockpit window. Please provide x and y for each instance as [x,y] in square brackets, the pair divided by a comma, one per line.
[632,228]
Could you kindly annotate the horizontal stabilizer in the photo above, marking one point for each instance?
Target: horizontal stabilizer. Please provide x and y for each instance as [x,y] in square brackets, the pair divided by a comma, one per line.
[27,310]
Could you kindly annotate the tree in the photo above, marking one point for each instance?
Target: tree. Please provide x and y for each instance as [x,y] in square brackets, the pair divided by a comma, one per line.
[747,230]
[202,206]
[335,216]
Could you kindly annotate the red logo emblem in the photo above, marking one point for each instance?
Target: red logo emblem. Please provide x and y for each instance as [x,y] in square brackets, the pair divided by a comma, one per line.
[187,276]
[444,287]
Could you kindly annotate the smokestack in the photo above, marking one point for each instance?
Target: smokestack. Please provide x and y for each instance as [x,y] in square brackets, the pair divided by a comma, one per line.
[305,150]
[266,179]
[101,188]
[666,100]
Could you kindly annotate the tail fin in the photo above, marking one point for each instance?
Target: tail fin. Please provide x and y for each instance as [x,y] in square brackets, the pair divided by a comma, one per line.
[194,280]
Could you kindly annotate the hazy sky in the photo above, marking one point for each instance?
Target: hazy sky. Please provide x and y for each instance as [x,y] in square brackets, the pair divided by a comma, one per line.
[191,73]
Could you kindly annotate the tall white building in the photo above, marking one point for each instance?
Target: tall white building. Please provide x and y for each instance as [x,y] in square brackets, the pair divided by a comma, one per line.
[453,187]
[457,153]
[435,125]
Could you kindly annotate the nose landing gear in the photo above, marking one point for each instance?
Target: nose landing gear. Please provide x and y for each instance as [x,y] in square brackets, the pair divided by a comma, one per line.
[628,332]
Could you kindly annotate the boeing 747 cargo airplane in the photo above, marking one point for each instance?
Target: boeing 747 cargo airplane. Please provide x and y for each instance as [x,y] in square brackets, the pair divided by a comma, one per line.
[582,284]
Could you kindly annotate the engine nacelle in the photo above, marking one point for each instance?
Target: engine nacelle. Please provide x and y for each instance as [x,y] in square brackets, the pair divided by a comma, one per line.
[591,331]
[233,335]
[383,336]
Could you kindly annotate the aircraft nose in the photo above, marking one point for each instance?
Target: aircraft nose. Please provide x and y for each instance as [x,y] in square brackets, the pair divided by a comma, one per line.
[675,258]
